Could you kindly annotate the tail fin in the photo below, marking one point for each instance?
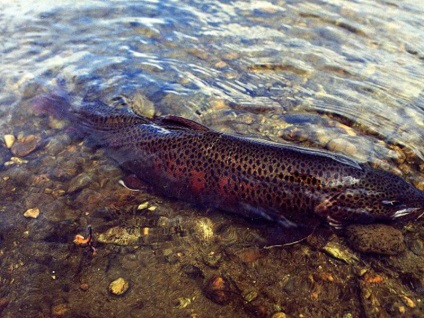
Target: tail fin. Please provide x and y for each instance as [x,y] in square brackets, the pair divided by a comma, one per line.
[57,104]
[91,115]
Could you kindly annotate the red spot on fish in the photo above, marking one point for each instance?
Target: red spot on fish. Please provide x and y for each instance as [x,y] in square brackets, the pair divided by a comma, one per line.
[223,185]
[197,180]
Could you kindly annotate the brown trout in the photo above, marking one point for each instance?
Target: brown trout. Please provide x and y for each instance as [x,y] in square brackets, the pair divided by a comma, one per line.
[281,183]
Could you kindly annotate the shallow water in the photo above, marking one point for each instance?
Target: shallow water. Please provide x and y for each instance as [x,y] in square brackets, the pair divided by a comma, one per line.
[346,76]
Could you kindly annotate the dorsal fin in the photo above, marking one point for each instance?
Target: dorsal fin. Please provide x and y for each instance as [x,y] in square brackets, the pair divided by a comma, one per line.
[177,122]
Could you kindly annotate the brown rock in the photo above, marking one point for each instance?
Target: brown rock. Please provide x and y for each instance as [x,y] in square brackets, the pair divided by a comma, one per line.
[60,310]
[3,303]
[25,145]
[375,238]
[218,290]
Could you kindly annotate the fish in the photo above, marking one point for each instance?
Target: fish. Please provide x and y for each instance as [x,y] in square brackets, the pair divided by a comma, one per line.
[282,183]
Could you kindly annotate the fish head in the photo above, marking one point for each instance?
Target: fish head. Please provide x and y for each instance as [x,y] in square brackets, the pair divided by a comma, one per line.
[391,197]
[378,196]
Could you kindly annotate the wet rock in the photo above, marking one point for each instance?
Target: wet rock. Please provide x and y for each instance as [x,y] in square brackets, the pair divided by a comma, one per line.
[182,302]
[9,140]
[375,238]
[192,271]
[250,255]
[120,236]
[25,145]
[119,286]
[15,161]
[340,252]
[213,259]
[32,213]
[60,310]
[79,182]
[341,145]
[415,244]
[250,296]
[3,303]
[218,290]
[142,105]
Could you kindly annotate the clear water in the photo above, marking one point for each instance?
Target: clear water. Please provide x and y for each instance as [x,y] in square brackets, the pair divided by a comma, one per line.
[341,75]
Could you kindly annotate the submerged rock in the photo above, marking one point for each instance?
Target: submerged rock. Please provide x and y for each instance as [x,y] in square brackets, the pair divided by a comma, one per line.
[79,182]
[119,286]
[9,140]
[32,213]
[120,236]
[25,145]
[375,238]
[218,290]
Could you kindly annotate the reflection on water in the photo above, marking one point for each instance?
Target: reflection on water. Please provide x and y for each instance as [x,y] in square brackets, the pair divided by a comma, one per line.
[342,75]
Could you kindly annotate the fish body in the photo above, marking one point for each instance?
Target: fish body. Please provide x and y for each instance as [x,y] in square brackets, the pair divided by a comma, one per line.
[282,183]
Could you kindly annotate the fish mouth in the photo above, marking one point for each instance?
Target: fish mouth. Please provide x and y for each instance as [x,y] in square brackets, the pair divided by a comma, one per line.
[407,212]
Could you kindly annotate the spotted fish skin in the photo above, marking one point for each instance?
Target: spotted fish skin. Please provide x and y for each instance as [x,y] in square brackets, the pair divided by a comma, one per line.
[283,183]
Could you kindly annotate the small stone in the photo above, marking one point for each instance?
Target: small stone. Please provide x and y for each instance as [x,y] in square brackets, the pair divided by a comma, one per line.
[183,302]
[25,145]
[119,286]
[143,206]
[15,161]
[250,296]
[9,140]
[32,213]
[79,182]
[60,310]
[408,302]
[4,302]
[336,250]
[217,104]
[120,236]
[279,315]
[84,286]
[218,290]
[220,64]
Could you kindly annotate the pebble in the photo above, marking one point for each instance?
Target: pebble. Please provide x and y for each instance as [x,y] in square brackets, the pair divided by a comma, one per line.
[60,310]
[32,213]
[218,290]
[336,250]
[119,286]
[120,236]
[375,238]
[182,302]
[9,140]
[143,206]
[342,145]
[4,302]
[25,145]
[217,104]
[15,161]
[140,104]
[79,182]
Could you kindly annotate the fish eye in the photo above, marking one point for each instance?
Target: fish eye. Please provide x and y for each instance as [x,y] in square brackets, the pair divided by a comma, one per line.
[391,203]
